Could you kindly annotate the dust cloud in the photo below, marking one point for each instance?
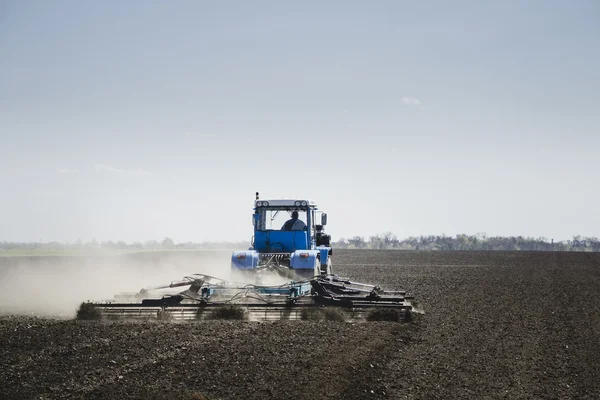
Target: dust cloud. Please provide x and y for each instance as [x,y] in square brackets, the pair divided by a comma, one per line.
[56,286]
[264,278]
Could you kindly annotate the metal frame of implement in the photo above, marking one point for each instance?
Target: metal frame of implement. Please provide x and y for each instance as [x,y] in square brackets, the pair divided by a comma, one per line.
[296,300]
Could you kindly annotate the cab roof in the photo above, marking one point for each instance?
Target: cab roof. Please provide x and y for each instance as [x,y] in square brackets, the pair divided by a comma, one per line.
[285,203]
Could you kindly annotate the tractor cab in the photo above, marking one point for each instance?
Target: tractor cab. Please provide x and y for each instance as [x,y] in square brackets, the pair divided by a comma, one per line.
[286,225]
[287,231]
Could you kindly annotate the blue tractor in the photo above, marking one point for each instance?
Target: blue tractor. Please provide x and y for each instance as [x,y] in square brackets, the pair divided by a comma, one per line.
[289,238]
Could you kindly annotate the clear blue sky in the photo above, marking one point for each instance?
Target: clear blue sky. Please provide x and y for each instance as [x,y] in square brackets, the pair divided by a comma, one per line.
[138,120]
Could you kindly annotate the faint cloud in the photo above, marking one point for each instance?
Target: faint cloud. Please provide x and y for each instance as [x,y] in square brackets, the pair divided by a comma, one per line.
[105,168]
[72,171]
[410,101]
[120,171]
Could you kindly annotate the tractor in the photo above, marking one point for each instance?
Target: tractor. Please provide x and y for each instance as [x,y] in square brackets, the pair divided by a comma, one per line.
[289,243]
[297,249]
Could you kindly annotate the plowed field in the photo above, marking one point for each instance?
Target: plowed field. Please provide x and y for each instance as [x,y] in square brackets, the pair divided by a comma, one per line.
[495,325]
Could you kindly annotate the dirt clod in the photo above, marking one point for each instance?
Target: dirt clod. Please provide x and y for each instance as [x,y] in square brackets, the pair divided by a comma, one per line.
[87,311]
[230,312]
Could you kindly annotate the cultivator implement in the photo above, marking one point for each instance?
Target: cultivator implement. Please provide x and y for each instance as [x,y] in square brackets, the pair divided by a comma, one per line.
[322,297]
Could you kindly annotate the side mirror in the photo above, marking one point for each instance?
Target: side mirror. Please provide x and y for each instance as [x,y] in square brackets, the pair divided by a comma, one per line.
[323,219]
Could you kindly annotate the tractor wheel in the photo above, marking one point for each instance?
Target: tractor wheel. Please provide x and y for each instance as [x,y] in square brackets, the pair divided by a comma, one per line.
[327,269]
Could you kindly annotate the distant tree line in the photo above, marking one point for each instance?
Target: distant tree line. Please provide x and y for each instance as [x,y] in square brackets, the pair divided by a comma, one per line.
[382,241]
[468,242]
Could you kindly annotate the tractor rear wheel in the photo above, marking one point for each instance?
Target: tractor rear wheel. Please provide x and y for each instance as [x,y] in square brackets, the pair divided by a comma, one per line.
[326,269]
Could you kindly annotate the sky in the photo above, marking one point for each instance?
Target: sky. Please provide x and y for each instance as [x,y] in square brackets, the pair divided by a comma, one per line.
[141,120]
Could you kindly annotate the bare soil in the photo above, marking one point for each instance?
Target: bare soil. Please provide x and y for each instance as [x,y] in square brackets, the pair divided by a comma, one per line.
[496,325]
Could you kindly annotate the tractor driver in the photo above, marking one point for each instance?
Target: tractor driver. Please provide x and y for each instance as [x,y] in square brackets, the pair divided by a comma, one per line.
[294,224]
